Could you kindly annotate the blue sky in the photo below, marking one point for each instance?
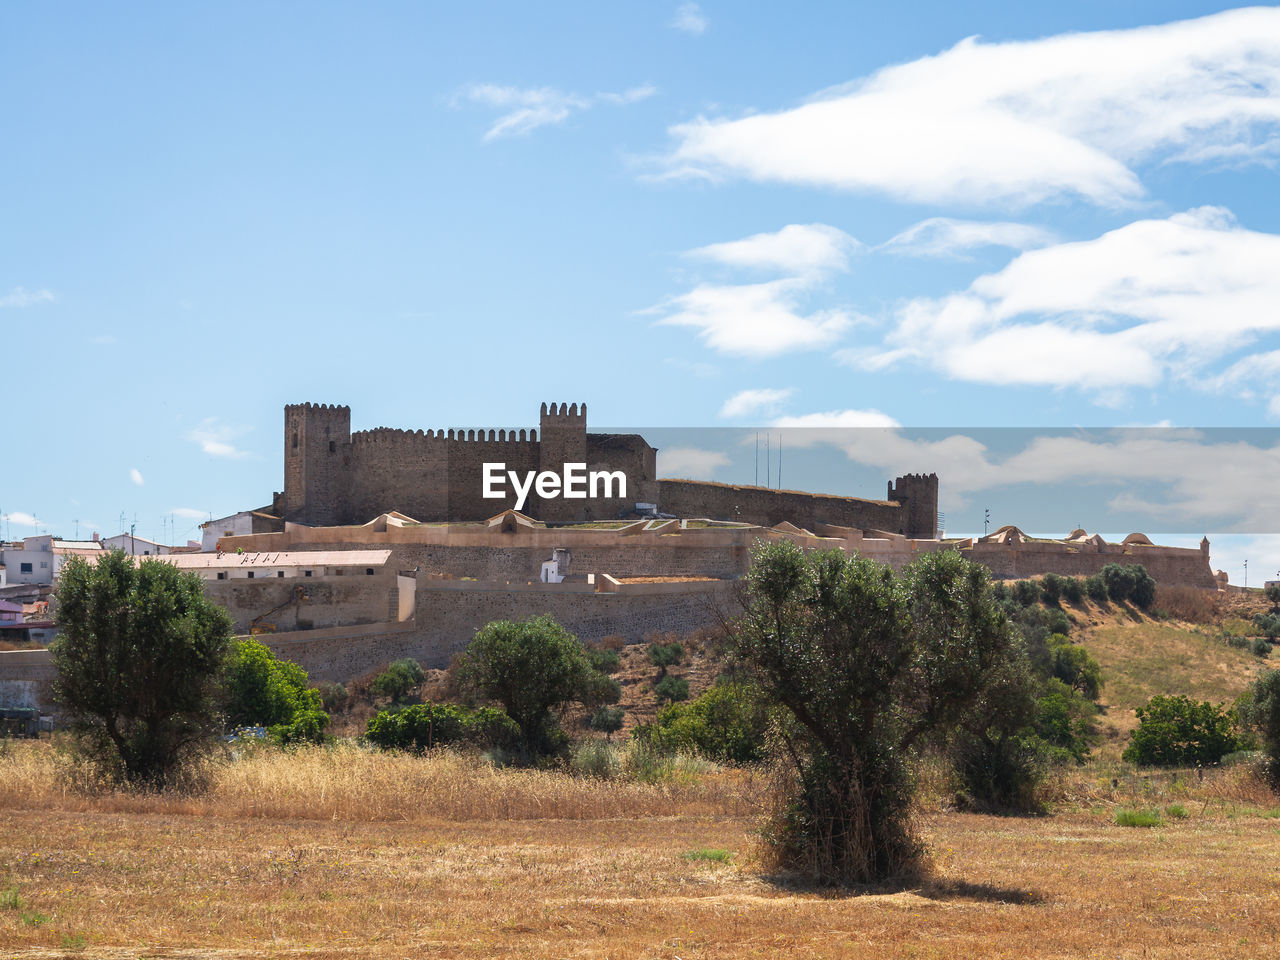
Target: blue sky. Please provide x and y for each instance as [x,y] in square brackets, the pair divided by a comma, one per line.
[934,215]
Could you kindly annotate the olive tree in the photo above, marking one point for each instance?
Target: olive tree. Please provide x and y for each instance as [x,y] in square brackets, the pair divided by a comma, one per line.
[866,665]
[532,667]
[139,658]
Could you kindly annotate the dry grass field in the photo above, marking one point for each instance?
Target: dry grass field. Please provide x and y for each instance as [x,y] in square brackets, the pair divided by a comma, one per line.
[342,852]
[339,852]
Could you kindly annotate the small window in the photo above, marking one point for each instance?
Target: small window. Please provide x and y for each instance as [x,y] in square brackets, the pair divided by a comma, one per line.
[222,574]
[338,572]
[295,439]
[228,533]
[250,574]
[306,573]
[368,571]
[333,447]
[24,568]
[279,573]
[44,564]
[146,553]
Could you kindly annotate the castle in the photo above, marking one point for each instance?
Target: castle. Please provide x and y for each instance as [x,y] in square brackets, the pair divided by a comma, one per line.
[333,476]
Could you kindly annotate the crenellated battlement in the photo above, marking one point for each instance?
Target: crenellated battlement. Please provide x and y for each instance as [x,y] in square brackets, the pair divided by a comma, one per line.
[456,435]
[331,407]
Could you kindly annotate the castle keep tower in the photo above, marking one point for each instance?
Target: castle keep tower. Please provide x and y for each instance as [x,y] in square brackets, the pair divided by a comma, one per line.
[316,441]
[918,494]
[562,432]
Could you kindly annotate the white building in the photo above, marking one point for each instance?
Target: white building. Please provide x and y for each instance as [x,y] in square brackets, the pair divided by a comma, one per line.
[39,559]
[135,546]
[238,525]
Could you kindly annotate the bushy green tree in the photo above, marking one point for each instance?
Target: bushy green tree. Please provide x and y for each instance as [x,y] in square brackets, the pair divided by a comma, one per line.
[1096,587]
[727,723]
[863,666]
[1261,712]
[1268,624]
[139,657]
[264,691]
[664,655]
[1272,593]
[1181,732]
[532,667]
[399,679]
[1051,588]
[1074,666]
[672,689]
[1073,589]
[425,725]
[608,720]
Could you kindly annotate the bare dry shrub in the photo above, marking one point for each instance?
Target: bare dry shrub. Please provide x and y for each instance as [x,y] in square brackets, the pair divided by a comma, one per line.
[1189,604]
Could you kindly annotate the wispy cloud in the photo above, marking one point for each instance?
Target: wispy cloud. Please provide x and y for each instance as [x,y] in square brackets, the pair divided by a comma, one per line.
[1148,301]
[189,513]
[945,237]
[747,402]
[136,476]
[21,297]
[858,419]
[690,19]
[21,519]
[216,439]
[768,318]
[809,249]
[526,109]
[1074,115]
[690,463]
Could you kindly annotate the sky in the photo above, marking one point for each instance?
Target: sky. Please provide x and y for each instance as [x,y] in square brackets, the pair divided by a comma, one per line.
[687,215]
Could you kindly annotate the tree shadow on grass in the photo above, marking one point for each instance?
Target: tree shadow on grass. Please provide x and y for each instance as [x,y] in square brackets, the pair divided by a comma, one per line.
[930,889]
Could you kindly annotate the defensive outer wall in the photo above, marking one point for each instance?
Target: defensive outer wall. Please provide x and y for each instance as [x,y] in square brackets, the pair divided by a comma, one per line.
[629,581]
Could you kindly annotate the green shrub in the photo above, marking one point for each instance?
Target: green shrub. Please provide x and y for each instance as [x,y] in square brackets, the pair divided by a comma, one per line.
[1074,666]
[426,725]
[1143,594]
[1096,588]
[604,660]
[1261,713]
[10,900]
[401,677]
[1051,587]
[1026,592]
[1073,589]
[727,723]
[1120,581]
[663,655]
[1179,732]
[1261,647]
[1176,811]
[1138,818]
[265,691]
[1268,624]
[672,689]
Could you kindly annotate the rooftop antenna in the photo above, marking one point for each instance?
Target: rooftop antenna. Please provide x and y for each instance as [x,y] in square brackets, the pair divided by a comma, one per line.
[1246,574]
[986,521]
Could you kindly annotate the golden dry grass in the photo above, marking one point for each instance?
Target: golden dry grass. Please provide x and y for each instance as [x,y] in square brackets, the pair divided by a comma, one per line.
[370,855]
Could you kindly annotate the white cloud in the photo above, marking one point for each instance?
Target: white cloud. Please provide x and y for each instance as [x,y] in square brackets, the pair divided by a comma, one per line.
[766,319]
[811,249]
[689,18]
[945,237]
[189,513]
[690,463]
[21,519]
[746,402]
[216,439]
[1021,122]
[136,476]
[21,297]
[858,419]
[525,110]
[1151,299]
[754,320]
